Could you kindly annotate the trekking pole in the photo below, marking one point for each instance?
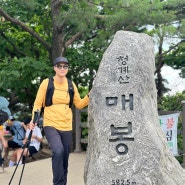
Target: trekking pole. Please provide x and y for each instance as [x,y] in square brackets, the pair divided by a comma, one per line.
[22,170]
[35,119]
[17,165]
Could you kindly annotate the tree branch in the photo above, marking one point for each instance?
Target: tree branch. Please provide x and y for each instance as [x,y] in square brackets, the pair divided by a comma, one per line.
[171,48]
[26,28]
[56,3]
[101,17]
[162,54]
[14,46]
[73,38]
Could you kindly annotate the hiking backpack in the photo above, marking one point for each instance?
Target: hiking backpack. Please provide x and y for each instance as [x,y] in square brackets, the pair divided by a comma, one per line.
[3,117]
[50,91]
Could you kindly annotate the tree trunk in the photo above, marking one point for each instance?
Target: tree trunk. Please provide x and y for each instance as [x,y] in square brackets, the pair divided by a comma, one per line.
[159,85]
[159,65]
[57,44]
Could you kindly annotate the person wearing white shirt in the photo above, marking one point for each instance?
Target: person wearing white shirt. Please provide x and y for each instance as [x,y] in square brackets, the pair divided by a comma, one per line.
[33,148]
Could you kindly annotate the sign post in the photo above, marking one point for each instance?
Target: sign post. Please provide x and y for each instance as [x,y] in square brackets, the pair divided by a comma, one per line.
[183,132]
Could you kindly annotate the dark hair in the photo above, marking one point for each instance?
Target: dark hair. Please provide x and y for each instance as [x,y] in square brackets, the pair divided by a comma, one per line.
[27,121]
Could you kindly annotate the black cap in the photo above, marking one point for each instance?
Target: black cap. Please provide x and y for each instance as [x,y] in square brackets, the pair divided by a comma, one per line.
[60,59]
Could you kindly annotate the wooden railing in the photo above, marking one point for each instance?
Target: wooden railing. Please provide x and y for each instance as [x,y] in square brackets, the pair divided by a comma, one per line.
[78,125]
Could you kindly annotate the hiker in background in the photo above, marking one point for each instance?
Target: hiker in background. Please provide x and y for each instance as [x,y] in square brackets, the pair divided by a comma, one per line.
[33,148]
[57,118]
[17,130]
[4,114]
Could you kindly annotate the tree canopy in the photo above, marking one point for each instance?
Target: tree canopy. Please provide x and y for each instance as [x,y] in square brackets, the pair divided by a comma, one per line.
[34,32]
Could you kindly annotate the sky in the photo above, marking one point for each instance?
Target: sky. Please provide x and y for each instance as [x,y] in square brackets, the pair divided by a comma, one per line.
[176,84]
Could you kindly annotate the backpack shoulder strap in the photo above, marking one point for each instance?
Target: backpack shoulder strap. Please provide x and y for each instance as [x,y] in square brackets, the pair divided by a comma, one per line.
[71,92]
[49,92]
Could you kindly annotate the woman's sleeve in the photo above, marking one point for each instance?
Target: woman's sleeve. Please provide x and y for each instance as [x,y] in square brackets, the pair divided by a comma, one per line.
[40,97]
[78,101]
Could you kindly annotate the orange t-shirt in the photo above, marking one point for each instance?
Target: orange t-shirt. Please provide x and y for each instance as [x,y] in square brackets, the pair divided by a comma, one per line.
[59,115]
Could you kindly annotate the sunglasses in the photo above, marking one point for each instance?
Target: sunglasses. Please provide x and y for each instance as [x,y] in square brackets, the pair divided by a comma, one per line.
[59,66]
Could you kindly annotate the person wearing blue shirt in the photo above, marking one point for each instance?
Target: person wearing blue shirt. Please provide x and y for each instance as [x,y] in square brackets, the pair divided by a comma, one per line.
[17,129]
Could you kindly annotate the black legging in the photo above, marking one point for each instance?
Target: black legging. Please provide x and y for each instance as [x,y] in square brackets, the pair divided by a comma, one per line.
[59,142]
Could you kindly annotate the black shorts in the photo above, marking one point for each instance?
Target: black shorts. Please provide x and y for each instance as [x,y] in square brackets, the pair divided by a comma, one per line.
[32,150]
[13,144]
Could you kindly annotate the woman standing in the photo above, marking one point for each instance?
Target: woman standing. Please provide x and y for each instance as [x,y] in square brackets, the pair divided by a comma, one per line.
[58,118]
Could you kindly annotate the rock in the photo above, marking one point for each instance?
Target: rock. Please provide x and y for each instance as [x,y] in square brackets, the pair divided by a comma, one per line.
[126,145]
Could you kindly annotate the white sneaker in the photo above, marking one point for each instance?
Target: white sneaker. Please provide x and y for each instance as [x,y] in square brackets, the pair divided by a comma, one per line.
[1,169]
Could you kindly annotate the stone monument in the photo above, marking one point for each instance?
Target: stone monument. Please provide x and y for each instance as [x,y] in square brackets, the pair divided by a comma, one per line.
[126,145]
